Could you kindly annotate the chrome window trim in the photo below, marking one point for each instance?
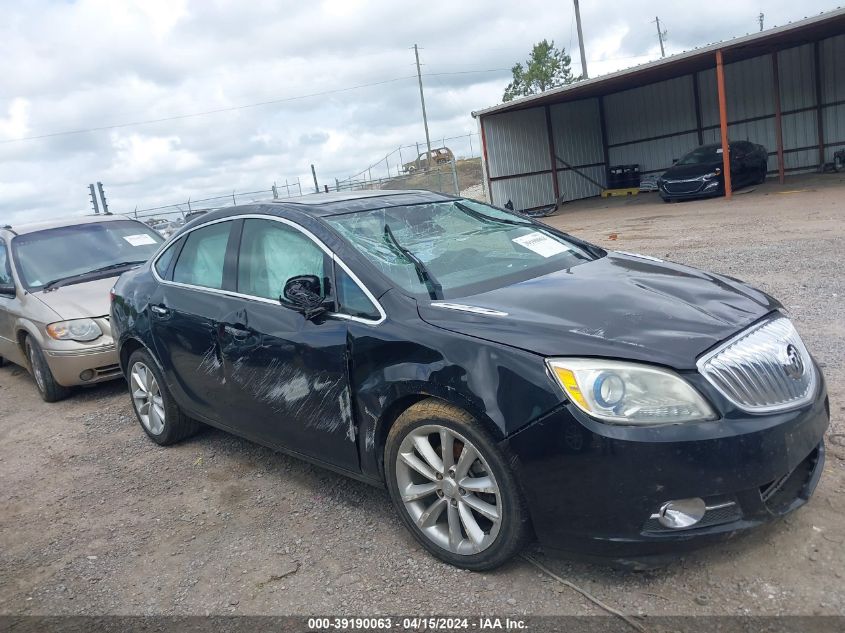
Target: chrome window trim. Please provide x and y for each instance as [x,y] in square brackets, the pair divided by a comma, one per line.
[461,307]
[293,225]
[701,364]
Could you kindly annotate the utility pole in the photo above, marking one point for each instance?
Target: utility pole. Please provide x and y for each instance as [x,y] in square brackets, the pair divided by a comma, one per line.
[94,199]
[103,199]
[422,101]
[661,35]
[760,19]
[584,74]
[314,173]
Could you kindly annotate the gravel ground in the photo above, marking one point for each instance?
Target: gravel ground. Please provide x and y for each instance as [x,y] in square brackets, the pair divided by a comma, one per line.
[95,519]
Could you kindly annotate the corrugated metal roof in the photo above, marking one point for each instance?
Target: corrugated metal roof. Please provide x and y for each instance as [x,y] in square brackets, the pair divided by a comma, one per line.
[830,23]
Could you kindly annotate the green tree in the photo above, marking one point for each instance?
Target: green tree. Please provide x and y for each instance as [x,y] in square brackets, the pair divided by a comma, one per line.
[547,67]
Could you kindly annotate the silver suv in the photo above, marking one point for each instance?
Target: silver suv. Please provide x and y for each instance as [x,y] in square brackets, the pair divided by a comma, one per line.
[55,279]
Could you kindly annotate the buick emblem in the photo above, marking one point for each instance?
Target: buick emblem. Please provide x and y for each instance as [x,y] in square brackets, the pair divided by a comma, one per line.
[794,364]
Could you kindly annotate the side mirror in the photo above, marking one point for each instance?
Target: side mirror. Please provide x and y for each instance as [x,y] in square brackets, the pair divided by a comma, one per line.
[303,294]
[8,290]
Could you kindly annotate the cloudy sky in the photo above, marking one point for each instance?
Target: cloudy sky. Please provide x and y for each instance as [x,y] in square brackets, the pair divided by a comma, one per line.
[70,66]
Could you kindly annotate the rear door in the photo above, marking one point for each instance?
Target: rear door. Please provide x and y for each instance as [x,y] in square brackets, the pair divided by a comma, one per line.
[286,375]
[186,314]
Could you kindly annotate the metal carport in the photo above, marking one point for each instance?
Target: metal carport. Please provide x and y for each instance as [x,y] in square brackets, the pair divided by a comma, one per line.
[783,88]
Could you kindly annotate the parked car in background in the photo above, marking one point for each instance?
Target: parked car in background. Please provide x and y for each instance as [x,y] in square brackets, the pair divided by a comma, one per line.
[699,173]
[55,279]
[495,373]
[439,156]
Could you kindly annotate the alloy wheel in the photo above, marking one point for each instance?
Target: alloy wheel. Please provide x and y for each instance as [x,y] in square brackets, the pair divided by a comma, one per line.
[448,489]
[146,398]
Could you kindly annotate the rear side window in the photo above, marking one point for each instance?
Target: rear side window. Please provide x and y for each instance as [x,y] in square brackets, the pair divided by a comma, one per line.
[273,252]
[163,262]
[5,267]
[202,259]
[351,299]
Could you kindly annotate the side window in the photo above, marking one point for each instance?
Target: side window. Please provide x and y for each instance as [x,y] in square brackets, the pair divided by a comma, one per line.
[351,299]
[163,262]
[271,253]
[5,267]
[201,261]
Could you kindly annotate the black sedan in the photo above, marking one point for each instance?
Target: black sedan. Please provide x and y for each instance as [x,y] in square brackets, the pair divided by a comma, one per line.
[699,173]
[499,376]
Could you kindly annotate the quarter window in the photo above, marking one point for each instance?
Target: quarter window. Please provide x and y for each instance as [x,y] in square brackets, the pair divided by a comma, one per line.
[202,259]
[163,262]
[5,268]
[351,299]
[271,253]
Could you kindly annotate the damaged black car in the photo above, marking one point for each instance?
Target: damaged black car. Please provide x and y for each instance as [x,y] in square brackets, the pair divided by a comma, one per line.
[502,379]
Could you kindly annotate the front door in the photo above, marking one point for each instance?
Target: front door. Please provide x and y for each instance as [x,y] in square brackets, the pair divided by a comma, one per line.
[286,375]
[8,305]
[186,315]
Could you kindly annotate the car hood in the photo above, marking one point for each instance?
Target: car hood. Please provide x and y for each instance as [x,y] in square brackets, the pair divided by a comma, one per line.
[78,301]
[619,306]
[682,172]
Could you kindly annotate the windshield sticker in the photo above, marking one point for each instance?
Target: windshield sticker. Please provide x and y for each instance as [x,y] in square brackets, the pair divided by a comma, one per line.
[541,244]
[142,239]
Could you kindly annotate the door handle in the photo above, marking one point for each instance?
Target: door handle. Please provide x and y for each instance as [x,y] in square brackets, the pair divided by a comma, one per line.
[236,331]
[159,311]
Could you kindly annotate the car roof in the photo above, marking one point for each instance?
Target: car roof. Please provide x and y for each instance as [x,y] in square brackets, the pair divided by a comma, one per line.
[336,203]
[56,223]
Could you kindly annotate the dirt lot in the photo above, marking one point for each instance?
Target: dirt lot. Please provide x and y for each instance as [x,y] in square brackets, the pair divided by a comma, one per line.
[96,519]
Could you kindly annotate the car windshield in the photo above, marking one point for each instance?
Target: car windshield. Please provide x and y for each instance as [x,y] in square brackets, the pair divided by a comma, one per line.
[462,247]
[703,155]
[73,252]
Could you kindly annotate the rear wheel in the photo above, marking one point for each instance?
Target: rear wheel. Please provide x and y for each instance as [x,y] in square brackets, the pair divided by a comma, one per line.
[48,388]
[159,415]
[761,177]
[453,487]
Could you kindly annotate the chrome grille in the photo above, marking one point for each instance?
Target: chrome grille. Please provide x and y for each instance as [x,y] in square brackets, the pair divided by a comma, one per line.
[764,368]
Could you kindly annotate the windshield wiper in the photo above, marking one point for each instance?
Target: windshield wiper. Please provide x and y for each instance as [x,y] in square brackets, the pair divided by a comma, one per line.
[486,218]
[435,290]
[62,281]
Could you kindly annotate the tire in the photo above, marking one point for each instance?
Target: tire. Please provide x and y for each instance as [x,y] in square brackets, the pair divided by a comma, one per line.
[761,177]
[441,514]
[45,382]
[157,412]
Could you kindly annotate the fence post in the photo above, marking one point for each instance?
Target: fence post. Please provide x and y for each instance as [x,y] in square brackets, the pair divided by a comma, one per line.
[454,164]
[336,184]
[418,156]
[299,184]
[471,154]
[275,192]
[439,180]
[189,204]
[401,162]
[386,164]
[233,197]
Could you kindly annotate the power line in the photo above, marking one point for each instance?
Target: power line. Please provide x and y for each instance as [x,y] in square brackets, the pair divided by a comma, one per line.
[191,115]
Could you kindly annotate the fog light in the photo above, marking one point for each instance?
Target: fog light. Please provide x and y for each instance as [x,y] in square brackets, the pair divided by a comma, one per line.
[88,374]
[682,513]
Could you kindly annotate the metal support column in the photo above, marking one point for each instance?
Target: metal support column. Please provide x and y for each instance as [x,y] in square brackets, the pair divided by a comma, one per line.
[778,116]
[552,158]
[723,125]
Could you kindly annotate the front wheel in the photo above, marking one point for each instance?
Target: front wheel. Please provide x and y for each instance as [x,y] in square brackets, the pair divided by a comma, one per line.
[453,487]
[48,388]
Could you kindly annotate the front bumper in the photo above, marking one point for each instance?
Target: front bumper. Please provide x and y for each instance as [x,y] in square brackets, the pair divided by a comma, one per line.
[682,192]
[69,367]
[593,489]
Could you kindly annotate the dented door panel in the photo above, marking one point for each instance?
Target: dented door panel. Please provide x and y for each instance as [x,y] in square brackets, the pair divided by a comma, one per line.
[286,381]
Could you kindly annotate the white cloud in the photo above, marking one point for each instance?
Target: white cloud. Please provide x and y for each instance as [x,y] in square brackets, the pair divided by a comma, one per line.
[93,63]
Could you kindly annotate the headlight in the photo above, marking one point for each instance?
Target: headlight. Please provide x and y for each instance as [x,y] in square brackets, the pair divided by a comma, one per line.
[629,393]
[77,330]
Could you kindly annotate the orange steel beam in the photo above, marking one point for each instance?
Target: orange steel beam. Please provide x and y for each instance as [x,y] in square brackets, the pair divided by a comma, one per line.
[778,119]
[723,125]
